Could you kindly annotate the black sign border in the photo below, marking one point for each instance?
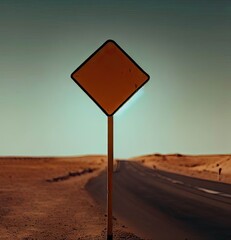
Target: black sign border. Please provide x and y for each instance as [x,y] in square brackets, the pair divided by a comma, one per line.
[92,55]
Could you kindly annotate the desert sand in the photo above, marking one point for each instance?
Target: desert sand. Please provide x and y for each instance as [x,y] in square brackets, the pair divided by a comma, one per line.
[45,199]
[199,166]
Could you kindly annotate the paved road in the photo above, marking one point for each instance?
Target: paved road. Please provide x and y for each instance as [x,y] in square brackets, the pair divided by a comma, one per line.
[166,206]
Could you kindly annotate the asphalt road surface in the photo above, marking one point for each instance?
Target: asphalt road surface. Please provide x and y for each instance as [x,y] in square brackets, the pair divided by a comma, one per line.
[159,205]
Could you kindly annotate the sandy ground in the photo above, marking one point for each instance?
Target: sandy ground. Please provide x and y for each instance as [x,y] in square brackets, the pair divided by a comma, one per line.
[45,199]
[200,166]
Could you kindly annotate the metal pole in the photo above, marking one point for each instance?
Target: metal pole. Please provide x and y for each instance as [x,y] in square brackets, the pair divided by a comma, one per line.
[109,178]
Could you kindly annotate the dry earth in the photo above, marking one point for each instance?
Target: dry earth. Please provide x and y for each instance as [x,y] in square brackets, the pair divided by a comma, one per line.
[45,199]
[200,166]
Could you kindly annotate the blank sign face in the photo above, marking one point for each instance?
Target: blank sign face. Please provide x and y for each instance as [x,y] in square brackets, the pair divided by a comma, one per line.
[110,77]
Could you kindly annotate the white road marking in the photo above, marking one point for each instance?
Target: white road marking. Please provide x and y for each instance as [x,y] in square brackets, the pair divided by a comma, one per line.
[214,192]
[170,179]
[176,181]
[207,190]
[198,188]
[179,182]
[225,195]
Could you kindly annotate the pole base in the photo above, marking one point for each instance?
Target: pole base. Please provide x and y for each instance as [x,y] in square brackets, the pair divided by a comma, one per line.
[109,237]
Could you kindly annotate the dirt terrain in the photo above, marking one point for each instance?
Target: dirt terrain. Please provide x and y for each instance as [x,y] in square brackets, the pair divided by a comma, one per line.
[45,199]
[199,166]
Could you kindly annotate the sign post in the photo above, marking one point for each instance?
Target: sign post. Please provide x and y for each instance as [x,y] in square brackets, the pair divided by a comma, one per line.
[110,77]
[109,177]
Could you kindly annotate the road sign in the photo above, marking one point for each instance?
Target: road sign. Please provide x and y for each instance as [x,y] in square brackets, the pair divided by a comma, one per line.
[110,77]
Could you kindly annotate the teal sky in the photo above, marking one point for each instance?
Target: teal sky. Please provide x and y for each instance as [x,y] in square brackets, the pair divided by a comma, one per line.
[185,47]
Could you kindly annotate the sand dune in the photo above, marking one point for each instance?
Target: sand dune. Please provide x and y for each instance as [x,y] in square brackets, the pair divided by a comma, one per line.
[200,166]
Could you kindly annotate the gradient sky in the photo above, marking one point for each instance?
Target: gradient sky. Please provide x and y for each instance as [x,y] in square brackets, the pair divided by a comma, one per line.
[184,45]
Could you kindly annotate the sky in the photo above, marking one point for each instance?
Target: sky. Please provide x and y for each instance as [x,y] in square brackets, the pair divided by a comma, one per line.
[184,45]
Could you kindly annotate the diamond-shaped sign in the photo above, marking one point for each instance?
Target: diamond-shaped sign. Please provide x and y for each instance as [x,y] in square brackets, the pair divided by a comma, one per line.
[110,77]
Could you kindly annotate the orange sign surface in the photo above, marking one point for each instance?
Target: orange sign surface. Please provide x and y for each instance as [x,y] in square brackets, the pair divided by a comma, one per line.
[110,77]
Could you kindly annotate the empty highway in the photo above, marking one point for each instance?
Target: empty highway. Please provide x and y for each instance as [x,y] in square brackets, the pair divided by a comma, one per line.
[166,206]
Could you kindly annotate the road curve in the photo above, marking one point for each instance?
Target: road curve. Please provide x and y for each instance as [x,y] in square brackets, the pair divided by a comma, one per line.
[166,206]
